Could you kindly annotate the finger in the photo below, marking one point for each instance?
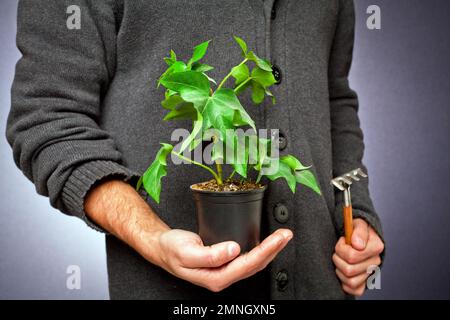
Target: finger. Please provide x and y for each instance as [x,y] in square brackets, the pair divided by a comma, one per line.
[360,234]
[375,245]
[199,256]
[270,258]
[258,258]
[242,267]
[358,292]
[352,282]
[351,255]
[352,270]
[348,253]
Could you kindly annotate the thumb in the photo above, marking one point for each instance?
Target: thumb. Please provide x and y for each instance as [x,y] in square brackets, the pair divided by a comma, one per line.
[360,234]
[199,256]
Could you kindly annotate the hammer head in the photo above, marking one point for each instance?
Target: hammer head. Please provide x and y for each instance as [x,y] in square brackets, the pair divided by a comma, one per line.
[344,181]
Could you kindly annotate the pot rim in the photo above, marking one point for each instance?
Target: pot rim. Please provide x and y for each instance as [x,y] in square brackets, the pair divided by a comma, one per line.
[229,193]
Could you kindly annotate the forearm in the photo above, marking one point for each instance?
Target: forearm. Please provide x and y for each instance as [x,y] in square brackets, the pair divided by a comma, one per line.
[118,208]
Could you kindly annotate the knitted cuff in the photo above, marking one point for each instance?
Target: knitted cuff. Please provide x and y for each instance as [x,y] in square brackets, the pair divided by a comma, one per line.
[81,181]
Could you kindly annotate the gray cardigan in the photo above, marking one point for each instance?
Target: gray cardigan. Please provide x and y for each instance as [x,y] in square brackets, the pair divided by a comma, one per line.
[85,106]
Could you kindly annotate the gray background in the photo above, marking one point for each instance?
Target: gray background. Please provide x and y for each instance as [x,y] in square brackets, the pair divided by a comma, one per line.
[402,75]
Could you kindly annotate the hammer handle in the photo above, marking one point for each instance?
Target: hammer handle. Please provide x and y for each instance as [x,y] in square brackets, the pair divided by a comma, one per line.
[348,224]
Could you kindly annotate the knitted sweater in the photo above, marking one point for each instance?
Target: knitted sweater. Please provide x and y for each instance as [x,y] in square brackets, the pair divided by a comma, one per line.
[85,106]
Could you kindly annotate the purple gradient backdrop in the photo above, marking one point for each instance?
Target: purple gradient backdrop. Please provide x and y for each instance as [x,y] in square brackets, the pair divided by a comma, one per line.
[402,76]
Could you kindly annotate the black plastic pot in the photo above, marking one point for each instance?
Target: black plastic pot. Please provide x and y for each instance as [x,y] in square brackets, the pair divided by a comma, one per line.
[224,216]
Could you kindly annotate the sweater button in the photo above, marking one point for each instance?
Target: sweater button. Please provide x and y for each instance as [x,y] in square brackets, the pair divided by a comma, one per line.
[282,280]
[281,213]
[282,142]
[276,74]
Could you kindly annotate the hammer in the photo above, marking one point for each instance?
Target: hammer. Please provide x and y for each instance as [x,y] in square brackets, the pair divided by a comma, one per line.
[343,183]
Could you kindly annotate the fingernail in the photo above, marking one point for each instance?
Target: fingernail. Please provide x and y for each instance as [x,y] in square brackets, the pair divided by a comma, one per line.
[288,235]
[232,249]
[360,242]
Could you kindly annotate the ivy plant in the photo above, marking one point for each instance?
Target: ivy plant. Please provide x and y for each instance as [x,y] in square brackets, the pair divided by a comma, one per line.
[193,95]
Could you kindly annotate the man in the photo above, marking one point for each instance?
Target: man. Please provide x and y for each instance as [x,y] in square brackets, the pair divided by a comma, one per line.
[85,122]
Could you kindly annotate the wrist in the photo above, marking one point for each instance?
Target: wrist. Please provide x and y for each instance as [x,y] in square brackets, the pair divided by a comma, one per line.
[149,246]
[119,209]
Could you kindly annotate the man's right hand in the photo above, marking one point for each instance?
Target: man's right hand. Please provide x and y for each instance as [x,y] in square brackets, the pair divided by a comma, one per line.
[216,267]
[119,209]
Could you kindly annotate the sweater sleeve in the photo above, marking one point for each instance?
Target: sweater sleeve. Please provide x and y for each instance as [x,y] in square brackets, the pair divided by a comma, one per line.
[347,137]
[53,126]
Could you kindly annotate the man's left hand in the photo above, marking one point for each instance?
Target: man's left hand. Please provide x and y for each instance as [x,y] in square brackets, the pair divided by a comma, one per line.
[353,261]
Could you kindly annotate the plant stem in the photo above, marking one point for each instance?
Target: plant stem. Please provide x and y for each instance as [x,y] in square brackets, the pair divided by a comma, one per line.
[218,179]
[229,75]
[231,175]
[219,173]
[259,177]
[242,84]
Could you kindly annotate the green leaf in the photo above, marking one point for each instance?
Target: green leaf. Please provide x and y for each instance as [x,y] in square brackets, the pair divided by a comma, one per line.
[285,172]
[199,52]
[241,44]
[268,93]
[263,64]
[157,170]
[240,73]
[258,93]
[183,112]
[209,78]
[191,85]
[168,61]
[217,115]
[242,87]
[252,146]
[259,80]
[293,163]
[306,178]
[168,93]
[171,102]
[263,77]
[231,150]
[263,147]
[172,59]
[190,140]
[259,154]
[201,67]
[177,66]
[223,110]
[238,120]
[241,154]
[291,169]
[139,184]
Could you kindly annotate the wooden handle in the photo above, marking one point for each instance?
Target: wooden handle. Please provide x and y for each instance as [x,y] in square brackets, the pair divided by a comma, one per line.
[348,224]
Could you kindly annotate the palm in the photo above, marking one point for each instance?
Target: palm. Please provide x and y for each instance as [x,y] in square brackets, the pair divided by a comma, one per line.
[218,266]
